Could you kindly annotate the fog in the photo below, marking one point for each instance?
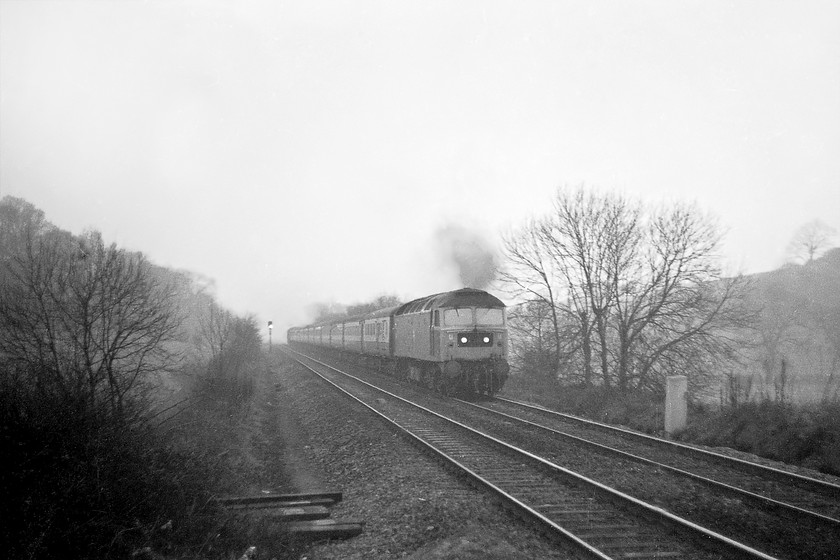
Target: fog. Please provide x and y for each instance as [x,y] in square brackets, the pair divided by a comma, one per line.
[335,151]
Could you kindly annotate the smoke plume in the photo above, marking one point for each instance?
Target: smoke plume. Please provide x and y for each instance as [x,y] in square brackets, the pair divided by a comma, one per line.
[470,253]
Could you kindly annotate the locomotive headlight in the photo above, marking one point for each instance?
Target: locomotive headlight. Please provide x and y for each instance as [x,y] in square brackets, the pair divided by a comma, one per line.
[486,340]
[463,340]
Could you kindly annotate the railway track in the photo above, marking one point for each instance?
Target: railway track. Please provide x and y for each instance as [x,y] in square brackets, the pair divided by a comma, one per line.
[773,489]
[598,520]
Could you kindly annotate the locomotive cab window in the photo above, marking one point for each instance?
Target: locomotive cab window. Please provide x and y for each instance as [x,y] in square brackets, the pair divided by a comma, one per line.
[458,317]
[490,317]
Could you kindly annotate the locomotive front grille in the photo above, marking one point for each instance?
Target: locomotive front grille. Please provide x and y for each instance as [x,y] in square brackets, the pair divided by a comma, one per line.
[474,339]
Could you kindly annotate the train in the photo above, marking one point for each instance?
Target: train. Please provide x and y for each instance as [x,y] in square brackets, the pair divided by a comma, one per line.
[455,343]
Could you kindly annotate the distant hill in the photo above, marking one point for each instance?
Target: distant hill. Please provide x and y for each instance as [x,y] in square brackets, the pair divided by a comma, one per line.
[795,351]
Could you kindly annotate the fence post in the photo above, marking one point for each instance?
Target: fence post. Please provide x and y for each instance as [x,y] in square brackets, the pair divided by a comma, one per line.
[676,403]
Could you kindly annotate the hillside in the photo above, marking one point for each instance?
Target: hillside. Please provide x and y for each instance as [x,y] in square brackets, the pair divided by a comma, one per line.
[795,351]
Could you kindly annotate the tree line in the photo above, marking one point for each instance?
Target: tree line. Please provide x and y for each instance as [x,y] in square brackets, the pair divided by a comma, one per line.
[619,293]
[89,333]
[328,311]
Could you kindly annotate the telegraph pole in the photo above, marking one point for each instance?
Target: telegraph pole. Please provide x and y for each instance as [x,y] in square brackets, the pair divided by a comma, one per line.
[270,326]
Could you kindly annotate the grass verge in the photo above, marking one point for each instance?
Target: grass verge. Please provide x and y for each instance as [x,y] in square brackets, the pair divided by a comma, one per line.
[806,436]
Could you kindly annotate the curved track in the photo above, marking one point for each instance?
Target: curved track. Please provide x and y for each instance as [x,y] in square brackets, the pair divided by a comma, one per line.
[598,520]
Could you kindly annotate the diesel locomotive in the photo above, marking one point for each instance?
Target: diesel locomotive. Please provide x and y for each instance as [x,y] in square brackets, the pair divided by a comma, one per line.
[453,342]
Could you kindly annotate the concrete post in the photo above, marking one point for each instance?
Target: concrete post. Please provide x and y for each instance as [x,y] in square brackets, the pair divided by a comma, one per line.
[676,403]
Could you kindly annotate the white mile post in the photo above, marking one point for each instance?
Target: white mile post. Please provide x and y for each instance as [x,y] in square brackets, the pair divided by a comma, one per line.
[676,403]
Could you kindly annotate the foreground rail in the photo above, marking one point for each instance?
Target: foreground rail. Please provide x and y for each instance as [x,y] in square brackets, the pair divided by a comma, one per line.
[596,519]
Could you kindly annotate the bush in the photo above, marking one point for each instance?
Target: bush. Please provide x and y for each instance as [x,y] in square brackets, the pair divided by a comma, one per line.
[235,353]
[636,409]
[807,436]
[86,329]
[76,484]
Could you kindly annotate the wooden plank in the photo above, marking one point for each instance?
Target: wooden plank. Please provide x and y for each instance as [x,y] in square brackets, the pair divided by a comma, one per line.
[304,513]
[325,528]
[273,505]
[310,498]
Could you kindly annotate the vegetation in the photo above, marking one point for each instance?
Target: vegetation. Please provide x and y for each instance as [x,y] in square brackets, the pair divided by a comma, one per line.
[124,386]
[807,435]
[794,351]
[614,296]
[96,459]
[622,294]
[810,241]
[328,311]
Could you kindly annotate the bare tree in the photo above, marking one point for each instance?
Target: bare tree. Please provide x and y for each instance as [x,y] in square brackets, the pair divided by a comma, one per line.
[228,341]
[380,302]
[528,275]
[19,221]
[678,313]
[642,286]
[828,322]
[84,319]
[215,328]
[325,311]
[594,240]
[810,240]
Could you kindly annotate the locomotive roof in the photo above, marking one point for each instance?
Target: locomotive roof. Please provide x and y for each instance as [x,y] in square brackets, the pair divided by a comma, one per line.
[465,297]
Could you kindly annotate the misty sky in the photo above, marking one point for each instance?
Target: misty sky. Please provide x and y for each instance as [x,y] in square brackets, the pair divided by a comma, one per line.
[300,152]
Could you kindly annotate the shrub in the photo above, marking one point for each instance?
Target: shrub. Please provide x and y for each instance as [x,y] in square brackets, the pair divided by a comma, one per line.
[807,436]
[82,485]
[634,408]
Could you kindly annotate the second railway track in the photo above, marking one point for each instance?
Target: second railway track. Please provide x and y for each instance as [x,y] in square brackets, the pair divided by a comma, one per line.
[764,486]
[606,523]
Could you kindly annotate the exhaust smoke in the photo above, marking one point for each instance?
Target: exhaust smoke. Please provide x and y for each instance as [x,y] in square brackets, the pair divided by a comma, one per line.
[470,253]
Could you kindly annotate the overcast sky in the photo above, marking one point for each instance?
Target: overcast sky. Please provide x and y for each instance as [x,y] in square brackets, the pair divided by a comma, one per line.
[300,152]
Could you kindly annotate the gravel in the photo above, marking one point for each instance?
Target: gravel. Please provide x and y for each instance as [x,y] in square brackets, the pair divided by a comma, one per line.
[788,538]
[412,507]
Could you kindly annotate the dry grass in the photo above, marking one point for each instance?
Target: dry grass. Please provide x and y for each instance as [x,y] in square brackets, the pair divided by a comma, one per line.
[77,484]
[804,435]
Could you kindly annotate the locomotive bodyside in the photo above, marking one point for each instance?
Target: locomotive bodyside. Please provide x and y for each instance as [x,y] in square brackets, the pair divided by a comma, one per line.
[454,341]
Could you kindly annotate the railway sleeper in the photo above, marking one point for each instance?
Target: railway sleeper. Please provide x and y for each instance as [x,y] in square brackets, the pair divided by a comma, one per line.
[620,528]
[641,550]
